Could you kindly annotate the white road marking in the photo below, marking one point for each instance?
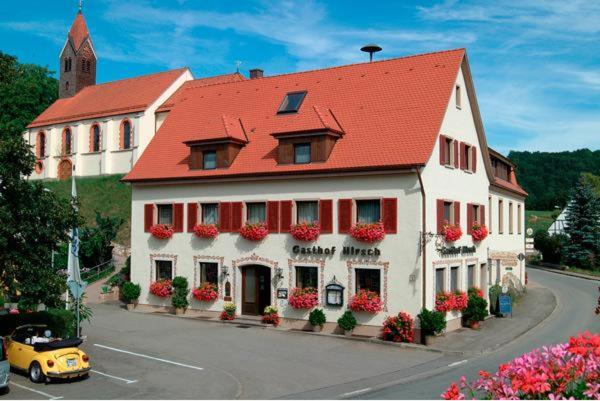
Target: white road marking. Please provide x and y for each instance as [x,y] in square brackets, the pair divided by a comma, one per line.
[458,362]
[128,381]
[12,383]
[362,390]
[149,357]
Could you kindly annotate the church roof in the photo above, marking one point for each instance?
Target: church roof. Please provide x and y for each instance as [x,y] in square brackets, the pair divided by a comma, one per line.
[79,31]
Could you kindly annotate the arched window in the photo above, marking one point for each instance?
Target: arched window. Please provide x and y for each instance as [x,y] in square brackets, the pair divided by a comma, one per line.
[95,138]
[67,138]
[67,85]
[41,144]
[125,134]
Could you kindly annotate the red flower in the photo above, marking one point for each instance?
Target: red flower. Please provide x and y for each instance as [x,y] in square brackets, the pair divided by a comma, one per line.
[453,393]
[206,292]
[226,316]
[271,318]
[305,231]
[366,301]
[162,231]
[206,230]
[398,328]
[451,232]
[161,288]
[448,301]
[368,232]
[254,232]
[479,232]
[303,298]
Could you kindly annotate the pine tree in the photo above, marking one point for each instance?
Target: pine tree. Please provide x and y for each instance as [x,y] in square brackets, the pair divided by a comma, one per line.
[583,227]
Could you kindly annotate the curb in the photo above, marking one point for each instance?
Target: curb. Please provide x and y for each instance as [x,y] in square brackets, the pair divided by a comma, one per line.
[565,273]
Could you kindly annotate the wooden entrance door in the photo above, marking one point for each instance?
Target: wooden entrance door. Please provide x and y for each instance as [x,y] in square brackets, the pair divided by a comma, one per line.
[256,289]
[65,168]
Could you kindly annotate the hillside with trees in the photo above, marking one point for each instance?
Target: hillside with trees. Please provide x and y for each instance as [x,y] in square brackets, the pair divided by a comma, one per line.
[549,178]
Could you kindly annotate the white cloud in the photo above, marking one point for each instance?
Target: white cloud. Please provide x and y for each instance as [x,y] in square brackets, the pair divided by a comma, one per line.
[52,30]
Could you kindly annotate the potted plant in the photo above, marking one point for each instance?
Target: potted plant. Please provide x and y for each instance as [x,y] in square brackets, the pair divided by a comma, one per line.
[271,315]
[305,231]
[433,323]
[207,231]
[451,232]
[479,232]
[347,322]
[254,232]
[162,231]
[303,298]
[366,301]
[228,311]
[161,288]
[317,319]
[476,311]
[180,293]
[368,232]
[206,292]
[131,293]
[398,328]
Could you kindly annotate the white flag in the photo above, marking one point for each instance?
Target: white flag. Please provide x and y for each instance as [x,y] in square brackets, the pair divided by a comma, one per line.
[73,256]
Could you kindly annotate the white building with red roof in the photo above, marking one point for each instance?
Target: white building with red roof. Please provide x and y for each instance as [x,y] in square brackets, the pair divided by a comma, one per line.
[357,177]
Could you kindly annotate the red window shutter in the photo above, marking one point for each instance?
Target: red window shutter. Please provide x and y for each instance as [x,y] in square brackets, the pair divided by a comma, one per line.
[344,215]
[442,150]
[389,208]
[192,216]
[469,218]
[482,215]
[456,157]
[440,215]
[463,158]
[225,217]
[474,157]
[178,217]
[237,219]
[457,213]
[273,216]
[326,216]
[286,215]
[148,216]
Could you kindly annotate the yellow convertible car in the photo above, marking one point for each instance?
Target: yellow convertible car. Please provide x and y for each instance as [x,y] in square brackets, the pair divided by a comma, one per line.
[32,349]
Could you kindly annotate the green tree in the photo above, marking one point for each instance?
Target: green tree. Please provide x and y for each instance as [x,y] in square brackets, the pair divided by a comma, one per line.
[583,227]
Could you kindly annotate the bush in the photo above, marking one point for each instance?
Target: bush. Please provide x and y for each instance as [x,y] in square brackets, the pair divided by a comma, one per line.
[317,317]
[347,321]
[476,309]
[398,328]
[180,292]
[494,293]
[432,322]
[551,246]
[60,321]
[131,292]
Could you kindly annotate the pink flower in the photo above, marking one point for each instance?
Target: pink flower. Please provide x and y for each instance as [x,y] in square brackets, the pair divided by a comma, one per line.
[206,231]
[453,393]
[366,301]
[305,231]
[161,288]
[162,231]
[303,298]
[254,232]
[451,232]
[368,232]
[479,232]
[398,328]
[206,292]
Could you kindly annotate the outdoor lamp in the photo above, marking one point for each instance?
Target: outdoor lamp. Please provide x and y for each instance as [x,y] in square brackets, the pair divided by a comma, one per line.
[334,293]
[278,273]
[224,271]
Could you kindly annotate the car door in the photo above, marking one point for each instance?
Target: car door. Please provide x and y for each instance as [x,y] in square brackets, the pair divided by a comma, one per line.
[19,354]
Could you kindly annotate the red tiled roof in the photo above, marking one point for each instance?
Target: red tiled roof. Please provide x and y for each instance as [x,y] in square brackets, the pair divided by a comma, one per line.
[513,187]
[79,31]
[391,112]
[317,119]
[220,128]
[196,83]
[111,98]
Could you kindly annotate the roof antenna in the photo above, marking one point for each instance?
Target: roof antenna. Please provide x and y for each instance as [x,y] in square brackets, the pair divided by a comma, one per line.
[80,5]
[371,48]
[238,63]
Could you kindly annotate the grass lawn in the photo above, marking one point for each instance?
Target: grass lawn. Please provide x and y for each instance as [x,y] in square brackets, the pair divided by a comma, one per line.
[538,219]
[105,194]
[595,273]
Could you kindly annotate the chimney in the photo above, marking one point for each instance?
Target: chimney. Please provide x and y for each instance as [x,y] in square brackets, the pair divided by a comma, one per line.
[256,73]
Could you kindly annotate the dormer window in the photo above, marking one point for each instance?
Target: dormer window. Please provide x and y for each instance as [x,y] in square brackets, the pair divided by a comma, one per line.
[292,102]
[209,160]
[302,153]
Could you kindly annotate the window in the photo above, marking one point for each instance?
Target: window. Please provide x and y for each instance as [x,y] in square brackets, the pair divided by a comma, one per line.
[307,211]
[454,270]
[126,128]
[210,213]
[68,139]
[440,285]
[68,62]
[165,214]
[519,220]
[500,216]
[490,214]
[83,65]
[471,275]
[301,153]
[209,273]
[482,277]
[42,145]
[448,152]
[467,155]
[164,270]
[291,103]
[510,218]
[95,138]
[449,212]
[307,276]
[209,160]
[256,212]
[368,279]
[368,211]
[476,216]
[458,96]
[67,85]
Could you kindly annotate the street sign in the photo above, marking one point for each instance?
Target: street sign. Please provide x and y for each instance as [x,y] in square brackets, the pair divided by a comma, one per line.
[521,257]
[505,304]
[76,288]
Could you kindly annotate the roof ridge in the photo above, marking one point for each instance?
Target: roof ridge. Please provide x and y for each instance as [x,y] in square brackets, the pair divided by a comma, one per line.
[137,77]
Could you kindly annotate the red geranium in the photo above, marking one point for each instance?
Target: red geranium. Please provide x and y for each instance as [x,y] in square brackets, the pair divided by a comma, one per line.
[162,231]
[366,301]
[475,291]
[451,301]
[304,298]
[226,316]
[460,300]
[479,232]
[206,292]
[305,231]
[271,318]
[254,232]
[451,232]
[206,230]
[161,288]
[364,232]
[398,328]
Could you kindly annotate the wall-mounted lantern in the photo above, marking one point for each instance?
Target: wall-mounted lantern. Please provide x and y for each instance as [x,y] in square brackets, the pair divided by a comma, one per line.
[224,272]
[278,273]
[334,293]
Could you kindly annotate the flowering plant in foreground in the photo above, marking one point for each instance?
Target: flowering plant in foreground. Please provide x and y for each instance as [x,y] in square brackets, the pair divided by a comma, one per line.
[271,315]
[206,231]
[479,232]
[161,288]
[228,311]
[398,328]
[254,232]
[305,231]
[562,371]
[475,291]
[364,232]
[366,301]
[162,231]
[303,298]
[451,232]
[451,301]
[206,292]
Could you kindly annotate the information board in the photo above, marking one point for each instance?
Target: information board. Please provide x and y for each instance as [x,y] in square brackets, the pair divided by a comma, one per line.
[505,304]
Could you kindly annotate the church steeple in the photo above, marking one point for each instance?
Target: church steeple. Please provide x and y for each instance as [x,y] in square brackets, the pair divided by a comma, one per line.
[78,59]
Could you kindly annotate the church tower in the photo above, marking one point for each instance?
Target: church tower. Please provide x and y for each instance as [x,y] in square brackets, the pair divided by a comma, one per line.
[77,59]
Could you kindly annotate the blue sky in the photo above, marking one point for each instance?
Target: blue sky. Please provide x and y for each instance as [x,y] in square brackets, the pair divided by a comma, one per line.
[536,64]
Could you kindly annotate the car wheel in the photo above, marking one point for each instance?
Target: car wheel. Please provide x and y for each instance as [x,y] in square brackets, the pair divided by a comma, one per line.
[36,374]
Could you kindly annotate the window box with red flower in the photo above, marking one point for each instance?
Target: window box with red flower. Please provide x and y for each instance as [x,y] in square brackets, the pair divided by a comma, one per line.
[162,231]
[366,301]
[444,301]
[207,231]
[368,232]
[304,298]
[254,232]
[460,300]
[398,328]
[206,292]
[451,232]
[479,232]
[161,288]
[305,231]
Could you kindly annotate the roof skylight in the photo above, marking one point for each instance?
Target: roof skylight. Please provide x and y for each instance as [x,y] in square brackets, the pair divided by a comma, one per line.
[291,102]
